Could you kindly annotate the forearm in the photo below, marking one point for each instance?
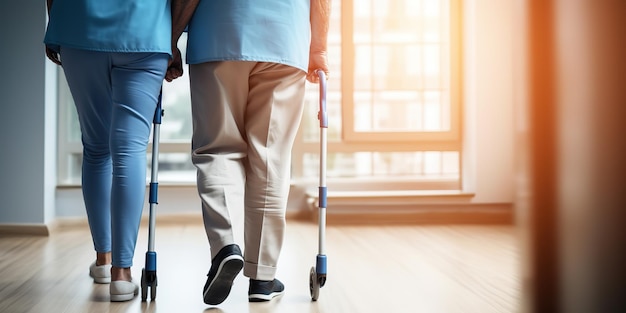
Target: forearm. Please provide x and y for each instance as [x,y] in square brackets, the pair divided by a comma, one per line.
[320,16]
[182,11]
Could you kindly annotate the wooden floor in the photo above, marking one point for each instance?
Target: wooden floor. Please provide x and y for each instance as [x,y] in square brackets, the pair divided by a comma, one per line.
[370,269]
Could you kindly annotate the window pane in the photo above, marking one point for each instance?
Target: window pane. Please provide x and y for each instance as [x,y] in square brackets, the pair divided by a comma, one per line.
[74,168]
[427,164]
[174,167]
[67,112]
[401,66]
[389,110]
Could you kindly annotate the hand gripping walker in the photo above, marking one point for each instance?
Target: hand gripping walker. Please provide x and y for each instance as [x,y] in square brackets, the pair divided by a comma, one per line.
[148,273]
[317,277]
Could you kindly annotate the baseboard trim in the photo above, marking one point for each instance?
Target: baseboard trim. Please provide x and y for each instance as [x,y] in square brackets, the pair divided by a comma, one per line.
[417,214]
[24,230]
[377,207]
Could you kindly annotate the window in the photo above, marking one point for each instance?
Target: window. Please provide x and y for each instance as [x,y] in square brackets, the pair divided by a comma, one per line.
[393,102]
[393,95]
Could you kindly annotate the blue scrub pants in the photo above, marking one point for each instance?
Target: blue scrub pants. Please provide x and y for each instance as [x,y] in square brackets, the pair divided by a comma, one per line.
[115,96]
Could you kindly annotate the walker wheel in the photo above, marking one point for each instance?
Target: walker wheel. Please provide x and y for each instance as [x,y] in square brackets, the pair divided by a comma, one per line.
[144,286]
[314,285]
[148,281]
[153,289]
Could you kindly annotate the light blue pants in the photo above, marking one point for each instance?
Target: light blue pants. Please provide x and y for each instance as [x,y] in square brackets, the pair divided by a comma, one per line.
[115,96]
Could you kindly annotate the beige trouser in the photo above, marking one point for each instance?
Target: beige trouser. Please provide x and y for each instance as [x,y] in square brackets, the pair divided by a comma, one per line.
[245,119]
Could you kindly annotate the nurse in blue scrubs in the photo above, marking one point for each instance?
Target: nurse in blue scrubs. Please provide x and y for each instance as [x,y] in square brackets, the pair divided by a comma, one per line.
[114,54]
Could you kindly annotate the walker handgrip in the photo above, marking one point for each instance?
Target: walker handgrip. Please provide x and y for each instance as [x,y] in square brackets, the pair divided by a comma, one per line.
[322,114]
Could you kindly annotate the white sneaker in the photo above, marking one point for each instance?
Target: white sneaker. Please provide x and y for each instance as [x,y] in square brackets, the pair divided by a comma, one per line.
[122,290]
[100,274]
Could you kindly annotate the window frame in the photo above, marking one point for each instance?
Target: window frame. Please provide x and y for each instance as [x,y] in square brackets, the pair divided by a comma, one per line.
[352,141]
[439,140]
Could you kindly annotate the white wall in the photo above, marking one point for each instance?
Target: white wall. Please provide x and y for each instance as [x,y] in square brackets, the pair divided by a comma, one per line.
[488,98]
[27,116]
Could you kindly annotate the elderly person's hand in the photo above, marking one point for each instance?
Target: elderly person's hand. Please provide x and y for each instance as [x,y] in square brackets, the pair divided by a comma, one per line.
[317,61]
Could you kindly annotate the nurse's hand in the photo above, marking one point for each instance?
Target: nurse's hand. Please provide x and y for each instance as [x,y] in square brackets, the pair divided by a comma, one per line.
[175,66]
[53,56]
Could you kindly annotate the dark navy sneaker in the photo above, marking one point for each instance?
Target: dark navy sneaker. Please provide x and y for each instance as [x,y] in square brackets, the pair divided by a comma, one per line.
[224,268]
[263,290]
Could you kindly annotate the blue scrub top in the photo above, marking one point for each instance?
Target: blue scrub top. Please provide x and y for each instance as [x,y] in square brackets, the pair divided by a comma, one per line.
[111,25]
[275,31]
